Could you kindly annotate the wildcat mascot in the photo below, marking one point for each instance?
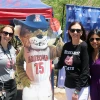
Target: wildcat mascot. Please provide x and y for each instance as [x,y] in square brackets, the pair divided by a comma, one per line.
[37,53]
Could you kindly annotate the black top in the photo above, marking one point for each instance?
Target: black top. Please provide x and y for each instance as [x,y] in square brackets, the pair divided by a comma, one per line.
[76,62]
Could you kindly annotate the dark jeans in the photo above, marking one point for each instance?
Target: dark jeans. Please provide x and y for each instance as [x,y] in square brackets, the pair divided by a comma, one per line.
[10,88]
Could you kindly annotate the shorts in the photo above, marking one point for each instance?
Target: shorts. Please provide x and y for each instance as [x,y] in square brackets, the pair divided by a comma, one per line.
[38,91]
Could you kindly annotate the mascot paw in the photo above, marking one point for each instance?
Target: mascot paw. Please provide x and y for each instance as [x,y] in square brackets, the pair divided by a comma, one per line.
[60,43]
[59,47]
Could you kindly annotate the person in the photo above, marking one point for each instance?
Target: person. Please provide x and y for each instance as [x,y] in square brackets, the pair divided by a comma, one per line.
[8,88]
[75,59]
[38,56]
[93,41]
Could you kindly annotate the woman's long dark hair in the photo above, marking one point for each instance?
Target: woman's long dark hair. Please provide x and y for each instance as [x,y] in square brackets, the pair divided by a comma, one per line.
[92,32]
[83,37]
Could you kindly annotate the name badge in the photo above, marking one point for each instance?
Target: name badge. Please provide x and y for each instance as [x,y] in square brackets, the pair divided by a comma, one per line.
[12,73]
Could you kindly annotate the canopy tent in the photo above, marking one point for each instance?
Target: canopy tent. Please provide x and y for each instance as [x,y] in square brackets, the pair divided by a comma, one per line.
[19,9]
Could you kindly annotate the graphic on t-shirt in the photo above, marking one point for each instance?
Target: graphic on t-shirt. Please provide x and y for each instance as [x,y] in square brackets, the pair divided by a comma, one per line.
[69,60]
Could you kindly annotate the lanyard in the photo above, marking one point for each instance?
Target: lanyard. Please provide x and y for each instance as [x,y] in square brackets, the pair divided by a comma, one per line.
[9,57]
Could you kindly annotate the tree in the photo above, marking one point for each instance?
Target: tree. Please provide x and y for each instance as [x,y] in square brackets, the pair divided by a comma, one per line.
[59,7]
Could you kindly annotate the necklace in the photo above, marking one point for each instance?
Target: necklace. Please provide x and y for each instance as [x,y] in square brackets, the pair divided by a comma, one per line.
[8,55]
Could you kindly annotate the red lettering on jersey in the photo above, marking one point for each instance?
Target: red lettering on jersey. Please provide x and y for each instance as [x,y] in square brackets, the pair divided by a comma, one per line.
[37,58]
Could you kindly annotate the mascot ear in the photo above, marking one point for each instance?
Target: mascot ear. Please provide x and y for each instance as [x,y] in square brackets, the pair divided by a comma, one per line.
[17,30]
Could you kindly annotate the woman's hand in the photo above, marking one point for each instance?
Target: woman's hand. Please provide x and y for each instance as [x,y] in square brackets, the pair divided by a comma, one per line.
[75,96]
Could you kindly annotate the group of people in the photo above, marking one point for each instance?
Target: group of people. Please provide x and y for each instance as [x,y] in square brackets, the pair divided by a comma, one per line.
[81,59]
[36,77]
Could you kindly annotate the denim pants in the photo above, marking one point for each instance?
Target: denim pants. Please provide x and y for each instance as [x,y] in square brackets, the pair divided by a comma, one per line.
[10,89]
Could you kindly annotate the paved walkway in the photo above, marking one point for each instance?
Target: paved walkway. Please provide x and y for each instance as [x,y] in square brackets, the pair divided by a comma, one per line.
[59,93]
[60,90]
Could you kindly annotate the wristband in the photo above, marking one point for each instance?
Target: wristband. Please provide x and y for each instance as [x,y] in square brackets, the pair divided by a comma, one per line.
[76,92]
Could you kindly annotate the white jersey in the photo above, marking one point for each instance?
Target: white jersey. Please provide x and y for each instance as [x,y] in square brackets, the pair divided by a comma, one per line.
[37,64]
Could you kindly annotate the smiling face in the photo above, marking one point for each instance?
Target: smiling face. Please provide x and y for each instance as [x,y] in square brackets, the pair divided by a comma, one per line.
[95,41]
[6,34]
[75,32]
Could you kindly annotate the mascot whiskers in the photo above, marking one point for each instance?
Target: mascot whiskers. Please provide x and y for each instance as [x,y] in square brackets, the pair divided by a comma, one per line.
[37,53]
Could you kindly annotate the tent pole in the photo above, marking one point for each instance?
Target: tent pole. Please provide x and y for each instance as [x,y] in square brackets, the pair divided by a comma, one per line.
[63,16]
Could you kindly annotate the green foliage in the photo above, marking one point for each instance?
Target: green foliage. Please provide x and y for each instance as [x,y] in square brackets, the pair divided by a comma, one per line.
[59,5]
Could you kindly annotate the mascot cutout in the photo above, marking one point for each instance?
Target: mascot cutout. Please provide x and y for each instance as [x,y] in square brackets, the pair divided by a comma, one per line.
[37,53]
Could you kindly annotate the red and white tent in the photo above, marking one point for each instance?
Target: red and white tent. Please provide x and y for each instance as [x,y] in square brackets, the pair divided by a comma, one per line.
[19,9]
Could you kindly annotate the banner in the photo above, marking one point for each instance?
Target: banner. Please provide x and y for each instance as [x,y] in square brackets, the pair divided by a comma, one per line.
[61,78]
[88,16]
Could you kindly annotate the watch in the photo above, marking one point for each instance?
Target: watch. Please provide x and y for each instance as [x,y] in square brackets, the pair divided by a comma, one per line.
[76,92]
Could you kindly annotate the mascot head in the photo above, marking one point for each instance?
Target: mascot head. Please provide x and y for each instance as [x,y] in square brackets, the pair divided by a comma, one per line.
[34,32]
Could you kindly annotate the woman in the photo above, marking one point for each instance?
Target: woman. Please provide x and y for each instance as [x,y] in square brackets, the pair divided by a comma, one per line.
[8,88]
[93,42]
[75,59]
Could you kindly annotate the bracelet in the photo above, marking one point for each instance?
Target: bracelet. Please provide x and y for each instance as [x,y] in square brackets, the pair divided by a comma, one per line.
[76,92]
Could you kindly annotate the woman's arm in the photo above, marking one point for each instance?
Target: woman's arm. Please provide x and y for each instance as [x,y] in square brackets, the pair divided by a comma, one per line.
[85,75]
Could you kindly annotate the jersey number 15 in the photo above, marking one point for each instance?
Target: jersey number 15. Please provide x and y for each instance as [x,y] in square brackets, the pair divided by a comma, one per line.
[39,68]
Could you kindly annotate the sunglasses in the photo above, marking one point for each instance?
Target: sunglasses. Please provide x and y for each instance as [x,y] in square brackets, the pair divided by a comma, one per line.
[77,30]
[6,33]
[92,39]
